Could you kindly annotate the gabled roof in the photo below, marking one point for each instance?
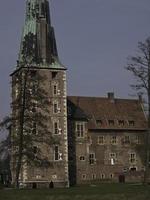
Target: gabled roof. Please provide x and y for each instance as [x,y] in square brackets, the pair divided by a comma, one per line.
[108,113]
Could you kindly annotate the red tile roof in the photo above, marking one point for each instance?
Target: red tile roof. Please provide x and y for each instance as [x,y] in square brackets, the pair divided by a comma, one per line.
[108,113]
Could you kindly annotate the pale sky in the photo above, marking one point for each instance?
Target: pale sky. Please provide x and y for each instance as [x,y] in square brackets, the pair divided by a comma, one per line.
[94,39]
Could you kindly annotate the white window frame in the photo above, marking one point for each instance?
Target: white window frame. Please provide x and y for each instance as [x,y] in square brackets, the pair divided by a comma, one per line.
[80,129]
[113,140]
[56,108]
[113,158]
[59,130]
[101,140]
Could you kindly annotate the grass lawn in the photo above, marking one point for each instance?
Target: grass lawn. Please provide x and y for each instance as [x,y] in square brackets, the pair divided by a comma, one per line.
[97,192]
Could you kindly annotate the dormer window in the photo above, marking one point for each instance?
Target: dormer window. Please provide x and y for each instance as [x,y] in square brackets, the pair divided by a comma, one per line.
[99,122]
[121,122]
[131,123]
[111,122]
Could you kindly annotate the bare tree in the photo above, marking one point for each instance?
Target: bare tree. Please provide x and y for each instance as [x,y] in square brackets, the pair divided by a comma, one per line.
[139,66]
[31,114]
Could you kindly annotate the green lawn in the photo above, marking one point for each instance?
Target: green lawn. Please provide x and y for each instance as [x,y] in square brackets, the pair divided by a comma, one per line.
[98,192]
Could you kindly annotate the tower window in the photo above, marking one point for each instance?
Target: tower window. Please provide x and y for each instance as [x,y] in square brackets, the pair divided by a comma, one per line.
[34,128]
[55,107]
[54,74]
[56,153]
[32,73]
[55,89]
[56,128]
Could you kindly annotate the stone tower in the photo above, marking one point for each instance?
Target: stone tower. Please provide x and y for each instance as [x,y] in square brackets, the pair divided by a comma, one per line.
[39,107]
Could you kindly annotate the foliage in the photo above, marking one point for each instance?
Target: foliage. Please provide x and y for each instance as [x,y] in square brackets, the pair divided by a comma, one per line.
[139,66]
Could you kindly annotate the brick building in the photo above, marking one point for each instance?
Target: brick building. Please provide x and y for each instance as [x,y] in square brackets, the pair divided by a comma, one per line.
[106,138]
[92,138]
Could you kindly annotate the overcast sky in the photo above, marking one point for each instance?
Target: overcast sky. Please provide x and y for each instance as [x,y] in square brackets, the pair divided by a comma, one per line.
[94,39]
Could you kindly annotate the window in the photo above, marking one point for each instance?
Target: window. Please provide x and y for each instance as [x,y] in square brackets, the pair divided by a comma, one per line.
[32,73]
[121,122]
[89,140]
[55,108]
[99,122]
[69,111]
[91,158]
[56,153]
[111,176]
[127,139]
[113,139]
[101,140]
[34,128]
[133,169]
[113,158]
[35,150]
[131,123]
[83,176]
[54,74]
[82,158]
[102,176]
[111,122]
[34,89]
[132,157]
[138,139]
[55,89]
[55,128]
[93,176]
[80,129]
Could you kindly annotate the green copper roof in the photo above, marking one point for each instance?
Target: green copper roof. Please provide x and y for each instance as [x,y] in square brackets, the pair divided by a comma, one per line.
[38,42]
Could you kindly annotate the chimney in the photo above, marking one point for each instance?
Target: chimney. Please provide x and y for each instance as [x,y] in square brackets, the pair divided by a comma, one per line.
[140,98]
[111,96]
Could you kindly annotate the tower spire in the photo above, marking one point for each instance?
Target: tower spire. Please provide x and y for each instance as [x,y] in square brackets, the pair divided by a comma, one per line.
[38,37]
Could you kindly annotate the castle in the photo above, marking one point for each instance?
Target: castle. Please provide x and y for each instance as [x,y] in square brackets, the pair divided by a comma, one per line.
[67,140]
